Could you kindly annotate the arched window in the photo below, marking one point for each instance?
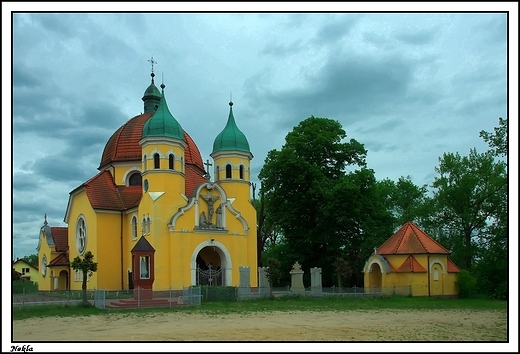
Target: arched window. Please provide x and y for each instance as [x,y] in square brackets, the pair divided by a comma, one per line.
[228,171]
[143,225]
[435,274]
[148,222]
[135,179]
[134,228]
[182,164]
[81,235]
[145,168]
[156,161]
[217,175]
[170,162]
[241,171]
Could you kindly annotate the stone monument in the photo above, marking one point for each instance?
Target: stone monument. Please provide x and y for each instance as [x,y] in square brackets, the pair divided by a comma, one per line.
[297,278]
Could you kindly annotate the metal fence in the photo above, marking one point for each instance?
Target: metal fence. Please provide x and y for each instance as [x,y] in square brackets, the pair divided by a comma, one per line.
[194,295]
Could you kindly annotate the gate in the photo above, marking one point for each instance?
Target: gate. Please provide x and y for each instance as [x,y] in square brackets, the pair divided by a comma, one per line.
[210,277]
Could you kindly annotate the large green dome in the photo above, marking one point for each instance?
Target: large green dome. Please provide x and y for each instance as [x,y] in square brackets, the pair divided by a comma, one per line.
[231,138]
[162,123]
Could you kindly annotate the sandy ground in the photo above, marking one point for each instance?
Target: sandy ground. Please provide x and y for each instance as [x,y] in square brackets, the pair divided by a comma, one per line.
[381,325]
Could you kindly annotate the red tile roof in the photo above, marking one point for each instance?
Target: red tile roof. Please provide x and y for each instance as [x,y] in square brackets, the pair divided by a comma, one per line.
[410,239]
[123,145]
[452,268]
[61,259]
[193,179]
[410,265]
[103,193]
[60,235]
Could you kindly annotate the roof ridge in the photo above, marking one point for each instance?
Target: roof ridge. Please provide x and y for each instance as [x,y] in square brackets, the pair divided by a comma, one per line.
[400,240]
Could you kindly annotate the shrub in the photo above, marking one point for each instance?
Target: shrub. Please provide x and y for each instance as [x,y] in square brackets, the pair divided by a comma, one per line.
[218,293]
[466,284]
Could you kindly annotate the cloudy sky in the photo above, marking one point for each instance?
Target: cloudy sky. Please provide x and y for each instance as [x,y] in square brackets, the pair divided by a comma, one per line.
[408,86]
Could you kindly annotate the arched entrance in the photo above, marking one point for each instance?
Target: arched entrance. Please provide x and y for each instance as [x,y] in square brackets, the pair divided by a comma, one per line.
[211,264]
[63,282]
[375,277]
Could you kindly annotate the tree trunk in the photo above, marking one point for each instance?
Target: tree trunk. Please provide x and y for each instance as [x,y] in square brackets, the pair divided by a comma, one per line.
[84,288]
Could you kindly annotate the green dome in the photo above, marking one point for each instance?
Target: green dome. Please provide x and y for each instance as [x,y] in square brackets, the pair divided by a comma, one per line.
[151,97]
[231,138]
[162,123]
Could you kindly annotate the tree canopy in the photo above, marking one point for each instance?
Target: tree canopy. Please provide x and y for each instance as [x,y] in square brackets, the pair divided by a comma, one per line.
[87,266]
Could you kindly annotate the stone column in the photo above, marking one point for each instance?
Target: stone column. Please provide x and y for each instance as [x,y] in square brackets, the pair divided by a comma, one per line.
[244,286]
[264,288]
[316,288]
[297,278]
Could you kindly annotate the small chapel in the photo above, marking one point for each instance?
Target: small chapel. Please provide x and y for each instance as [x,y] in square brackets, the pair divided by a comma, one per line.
[155,216]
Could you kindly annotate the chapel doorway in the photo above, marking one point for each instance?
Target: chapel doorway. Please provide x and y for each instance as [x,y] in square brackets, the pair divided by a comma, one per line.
[210,267]
[375,278]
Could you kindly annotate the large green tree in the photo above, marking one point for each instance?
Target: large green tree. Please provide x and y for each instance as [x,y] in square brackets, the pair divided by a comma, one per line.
[87,266]
[405,200]
[471,217]
[318,192]
[31,259]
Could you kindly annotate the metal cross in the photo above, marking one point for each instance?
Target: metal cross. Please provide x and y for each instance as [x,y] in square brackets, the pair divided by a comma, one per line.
[151,61]
[207,163]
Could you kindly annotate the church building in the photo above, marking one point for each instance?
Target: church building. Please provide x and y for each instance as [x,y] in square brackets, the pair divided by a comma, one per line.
[153,216]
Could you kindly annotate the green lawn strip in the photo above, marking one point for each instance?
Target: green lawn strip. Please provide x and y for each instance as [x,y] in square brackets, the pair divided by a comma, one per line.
[284,304]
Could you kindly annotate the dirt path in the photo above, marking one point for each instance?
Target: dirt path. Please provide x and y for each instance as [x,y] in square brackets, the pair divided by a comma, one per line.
[382,325]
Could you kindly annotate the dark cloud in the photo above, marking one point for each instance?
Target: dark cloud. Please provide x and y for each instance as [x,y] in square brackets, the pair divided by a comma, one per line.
[67,168]
[415,36]
[281,50]
[24,78]
[348,86]
[334,30]
[62,24]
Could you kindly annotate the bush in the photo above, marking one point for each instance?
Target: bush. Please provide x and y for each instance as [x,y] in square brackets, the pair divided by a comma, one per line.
[24,287]
[466,284]
[219,293]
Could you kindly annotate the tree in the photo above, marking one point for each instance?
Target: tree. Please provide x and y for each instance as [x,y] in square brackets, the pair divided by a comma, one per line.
[343,269]
[322,210]
[497,141]
[267,231]
[31,259]
[469,192]
[273,273]
[405,200]
[87,266]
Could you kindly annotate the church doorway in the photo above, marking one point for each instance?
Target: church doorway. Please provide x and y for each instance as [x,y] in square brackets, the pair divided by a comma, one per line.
[210,267]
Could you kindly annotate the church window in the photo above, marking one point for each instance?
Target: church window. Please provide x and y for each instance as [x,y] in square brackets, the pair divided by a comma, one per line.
[134,228]
[81,235]
[144,265]
[241,171]
[156,161]
[144,163]
[182,164]
[135,179]
[170,162]
[436,274]
[148,222]
[217,175]
[143,226]
[228,171]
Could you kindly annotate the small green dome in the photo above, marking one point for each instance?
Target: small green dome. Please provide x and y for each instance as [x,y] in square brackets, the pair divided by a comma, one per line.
[231,138]
[162,123]
[151,97]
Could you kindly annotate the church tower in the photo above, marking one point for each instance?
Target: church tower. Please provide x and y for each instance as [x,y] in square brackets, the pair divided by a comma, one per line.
[163,173]
[232,159]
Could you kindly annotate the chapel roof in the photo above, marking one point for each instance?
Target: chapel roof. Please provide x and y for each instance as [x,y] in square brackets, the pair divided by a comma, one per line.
[410,239]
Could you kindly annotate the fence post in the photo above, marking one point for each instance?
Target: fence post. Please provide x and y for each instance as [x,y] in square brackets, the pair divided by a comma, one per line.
[355,290]
[333,288]
[23,297]
[138,297]
[170,296]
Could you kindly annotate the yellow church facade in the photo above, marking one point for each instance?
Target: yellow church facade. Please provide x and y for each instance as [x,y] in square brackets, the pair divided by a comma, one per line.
[156,214]
[410,262]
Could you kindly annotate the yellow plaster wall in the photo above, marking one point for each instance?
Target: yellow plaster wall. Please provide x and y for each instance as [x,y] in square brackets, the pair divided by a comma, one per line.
[108,255]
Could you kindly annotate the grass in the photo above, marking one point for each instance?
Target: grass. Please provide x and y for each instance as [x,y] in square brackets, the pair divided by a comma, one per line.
[285,303]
